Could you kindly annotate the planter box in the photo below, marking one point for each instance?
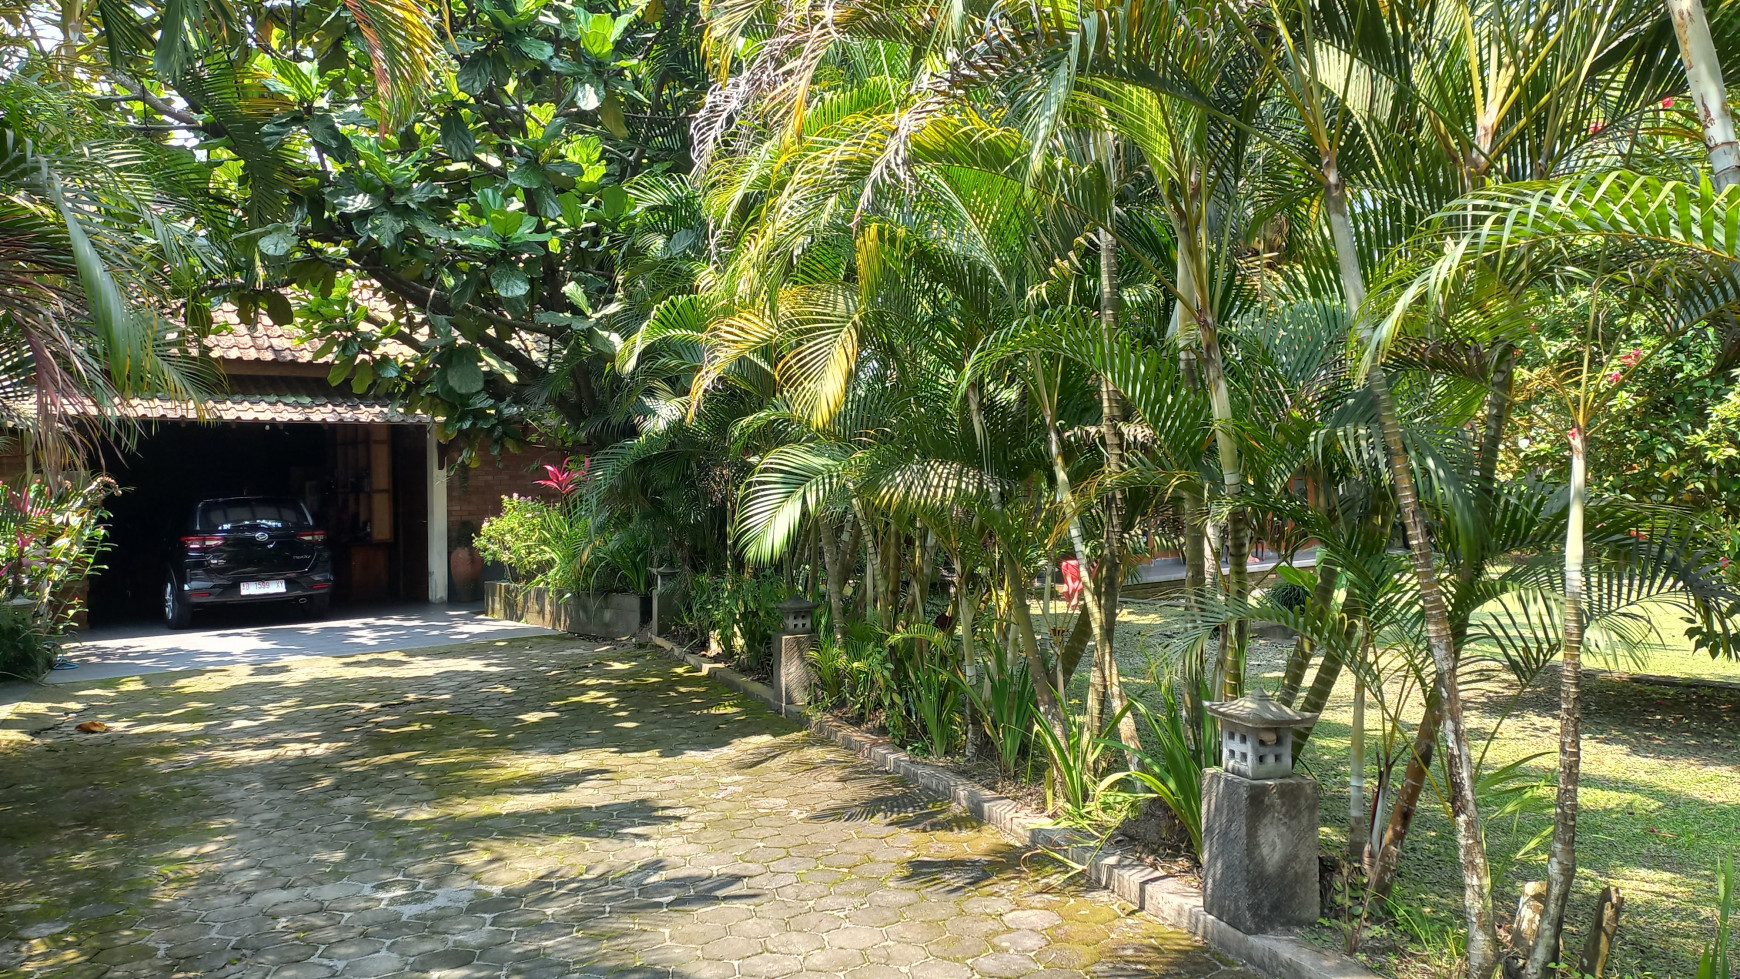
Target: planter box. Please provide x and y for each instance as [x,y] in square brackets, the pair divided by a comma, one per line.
[611,616]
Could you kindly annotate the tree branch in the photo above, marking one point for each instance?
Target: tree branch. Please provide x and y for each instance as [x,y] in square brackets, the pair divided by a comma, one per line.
[431,298]
[168,111]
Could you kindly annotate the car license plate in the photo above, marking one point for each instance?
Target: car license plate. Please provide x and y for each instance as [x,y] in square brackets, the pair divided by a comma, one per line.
[263,587]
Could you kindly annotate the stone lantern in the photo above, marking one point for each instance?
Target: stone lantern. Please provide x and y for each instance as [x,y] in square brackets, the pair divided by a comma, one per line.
[1259,821]
[1256,735]
[799,615]
[791,650]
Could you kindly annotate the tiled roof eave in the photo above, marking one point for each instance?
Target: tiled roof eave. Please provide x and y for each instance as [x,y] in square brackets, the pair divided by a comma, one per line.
[257,410]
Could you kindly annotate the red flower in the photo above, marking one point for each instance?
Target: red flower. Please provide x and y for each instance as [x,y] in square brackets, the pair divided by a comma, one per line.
[1631,359]
[1668,102]
[1613,378]
[1596,127]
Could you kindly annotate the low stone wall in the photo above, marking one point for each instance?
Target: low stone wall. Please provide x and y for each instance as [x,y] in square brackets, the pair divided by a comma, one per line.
[610,616]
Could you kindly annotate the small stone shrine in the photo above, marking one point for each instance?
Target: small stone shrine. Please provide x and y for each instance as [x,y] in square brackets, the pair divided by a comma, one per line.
[1259,821]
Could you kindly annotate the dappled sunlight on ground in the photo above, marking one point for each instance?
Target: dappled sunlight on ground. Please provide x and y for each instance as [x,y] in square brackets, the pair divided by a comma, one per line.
[521,808]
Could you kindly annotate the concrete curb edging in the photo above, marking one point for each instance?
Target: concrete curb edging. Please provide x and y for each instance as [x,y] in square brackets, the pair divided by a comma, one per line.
[1163,898]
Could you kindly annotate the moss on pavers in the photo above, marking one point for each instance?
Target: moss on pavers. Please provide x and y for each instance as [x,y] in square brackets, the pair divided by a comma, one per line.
[525,807]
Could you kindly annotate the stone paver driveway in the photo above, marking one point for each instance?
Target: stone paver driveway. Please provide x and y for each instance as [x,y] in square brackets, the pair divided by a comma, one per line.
[528,808]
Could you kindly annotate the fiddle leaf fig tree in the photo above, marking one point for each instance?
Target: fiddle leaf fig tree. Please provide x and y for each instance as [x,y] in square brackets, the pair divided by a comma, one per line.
[449,194]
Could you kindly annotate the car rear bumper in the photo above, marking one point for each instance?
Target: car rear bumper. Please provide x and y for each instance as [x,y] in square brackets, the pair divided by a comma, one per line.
[299,586]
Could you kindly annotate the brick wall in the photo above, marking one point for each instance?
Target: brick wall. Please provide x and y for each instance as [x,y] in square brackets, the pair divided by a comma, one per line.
[474,493]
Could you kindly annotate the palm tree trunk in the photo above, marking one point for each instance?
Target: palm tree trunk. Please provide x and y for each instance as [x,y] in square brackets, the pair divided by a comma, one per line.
[1356,623]
[1357,834]
[1407,802]
[1190,497]
[1198,319]
[1069,657]
[1299,660]
[836,578]
[967,604]
[1709,95]
[1015,582]
[1091,596]
[1470,840]
[1111,559]
[888,577]
[1233,482]
[867,533]
[1562,859]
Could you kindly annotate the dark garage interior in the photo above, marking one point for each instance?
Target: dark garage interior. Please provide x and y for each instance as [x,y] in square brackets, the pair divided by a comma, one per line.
[363,484]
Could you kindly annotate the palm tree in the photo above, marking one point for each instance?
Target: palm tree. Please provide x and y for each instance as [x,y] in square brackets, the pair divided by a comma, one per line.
[82,314]
[1619,225]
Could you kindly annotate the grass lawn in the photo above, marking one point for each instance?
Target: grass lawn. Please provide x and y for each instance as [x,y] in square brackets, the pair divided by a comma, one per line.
[1660,798]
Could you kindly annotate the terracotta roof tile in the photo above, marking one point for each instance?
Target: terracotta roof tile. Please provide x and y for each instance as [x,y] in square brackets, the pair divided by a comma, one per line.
[278,399]
[263,340]
[230,339]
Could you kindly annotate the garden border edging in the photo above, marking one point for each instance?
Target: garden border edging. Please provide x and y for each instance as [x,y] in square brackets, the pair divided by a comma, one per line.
[1163,898]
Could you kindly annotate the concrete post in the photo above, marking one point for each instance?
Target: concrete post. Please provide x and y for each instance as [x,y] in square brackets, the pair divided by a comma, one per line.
[436,481]
[1259,851]
[793,665]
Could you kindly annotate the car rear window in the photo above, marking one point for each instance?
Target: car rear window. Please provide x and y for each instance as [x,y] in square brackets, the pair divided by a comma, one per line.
[223,515]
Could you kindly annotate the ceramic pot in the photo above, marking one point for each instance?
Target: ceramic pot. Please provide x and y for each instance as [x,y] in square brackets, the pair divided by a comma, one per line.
[465,574]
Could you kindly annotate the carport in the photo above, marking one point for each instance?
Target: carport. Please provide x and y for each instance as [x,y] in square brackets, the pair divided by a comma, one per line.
[369,474]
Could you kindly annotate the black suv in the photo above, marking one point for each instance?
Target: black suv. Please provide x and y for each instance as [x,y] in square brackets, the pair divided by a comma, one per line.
[247,549]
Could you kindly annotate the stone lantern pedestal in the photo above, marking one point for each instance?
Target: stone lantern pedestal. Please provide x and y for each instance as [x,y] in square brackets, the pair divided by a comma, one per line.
[792,678]
[1259,851]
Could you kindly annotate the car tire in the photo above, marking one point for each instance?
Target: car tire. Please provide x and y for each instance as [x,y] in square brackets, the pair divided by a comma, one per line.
[177,612]
[318,606]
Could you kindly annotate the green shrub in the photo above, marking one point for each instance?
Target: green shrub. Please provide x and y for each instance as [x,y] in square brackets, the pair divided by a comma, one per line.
[936,706]
[1171,768]
[871,693]
[740,610]
[25,652]
[828,661]
[1005,707]
[1077,756]
[515,538]
[1714,962]
[1290,596]
[540,544]
[51,534]
[621,559]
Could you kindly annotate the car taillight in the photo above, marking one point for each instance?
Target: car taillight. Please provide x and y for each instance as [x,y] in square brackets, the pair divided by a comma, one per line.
[201,542]
[315,536]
